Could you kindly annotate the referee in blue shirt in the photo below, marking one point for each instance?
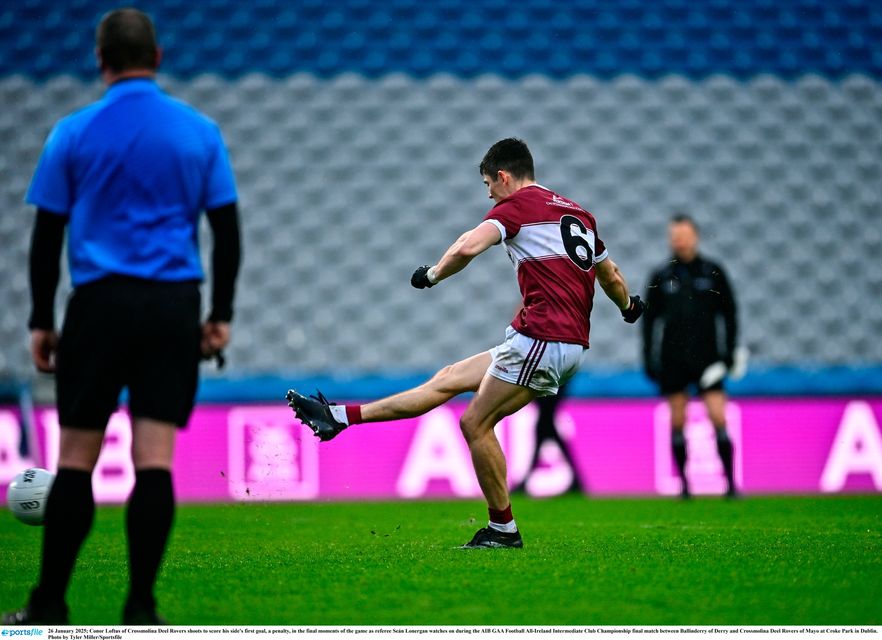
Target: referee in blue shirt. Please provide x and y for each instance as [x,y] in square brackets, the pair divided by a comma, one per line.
[128,177]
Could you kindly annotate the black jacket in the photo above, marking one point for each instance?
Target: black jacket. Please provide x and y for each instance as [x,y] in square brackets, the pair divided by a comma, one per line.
[689,299]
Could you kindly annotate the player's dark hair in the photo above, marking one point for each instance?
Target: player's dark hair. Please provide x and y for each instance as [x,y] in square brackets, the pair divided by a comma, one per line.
[126,40]
[510,155]
[683,218]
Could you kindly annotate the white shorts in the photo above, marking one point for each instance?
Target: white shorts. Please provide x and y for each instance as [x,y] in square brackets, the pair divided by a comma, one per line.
[540,365]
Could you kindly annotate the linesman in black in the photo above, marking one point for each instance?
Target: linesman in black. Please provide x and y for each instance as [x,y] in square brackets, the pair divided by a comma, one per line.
[689,325]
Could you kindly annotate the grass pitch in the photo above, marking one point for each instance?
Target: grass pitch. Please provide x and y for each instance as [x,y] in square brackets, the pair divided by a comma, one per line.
[758,561]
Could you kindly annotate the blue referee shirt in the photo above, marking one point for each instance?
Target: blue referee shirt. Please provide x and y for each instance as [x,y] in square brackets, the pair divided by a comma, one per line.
[133,171]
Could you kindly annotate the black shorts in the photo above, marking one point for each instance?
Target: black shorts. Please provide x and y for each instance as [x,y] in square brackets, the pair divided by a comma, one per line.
[680,376]
[125,332]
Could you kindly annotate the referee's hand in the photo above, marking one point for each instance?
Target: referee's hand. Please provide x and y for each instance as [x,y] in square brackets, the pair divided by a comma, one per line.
[215,336]
[44,343]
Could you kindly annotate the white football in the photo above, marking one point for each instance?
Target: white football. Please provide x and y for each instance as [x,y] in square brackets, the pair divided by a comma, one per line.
[27,495]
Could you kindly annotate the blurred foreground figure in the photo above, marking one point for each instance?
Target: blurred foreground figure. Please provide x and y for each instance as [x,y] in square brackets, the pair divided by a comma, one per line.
[684,344]
[128,177]
[546,431]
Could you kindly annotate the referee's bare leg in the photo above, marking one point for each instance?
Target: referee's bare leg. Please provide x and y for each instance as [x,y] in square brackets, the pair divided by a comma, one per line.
[79,448]
[153,444]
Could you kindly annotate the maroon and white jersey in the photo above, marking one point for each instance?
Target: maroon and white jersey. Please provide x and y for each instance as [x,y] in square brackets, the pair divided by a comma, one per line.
[553,245]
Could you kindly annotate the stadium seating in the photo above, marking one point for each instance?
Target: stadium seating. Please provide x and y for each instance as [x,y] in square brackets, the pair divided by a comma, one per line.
[603,38]
[356,143]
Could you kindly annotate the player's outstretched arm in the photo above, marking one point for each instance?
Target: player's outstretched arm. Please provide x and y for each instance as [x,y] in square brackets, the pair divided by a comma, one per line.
[456,258]
[614,286]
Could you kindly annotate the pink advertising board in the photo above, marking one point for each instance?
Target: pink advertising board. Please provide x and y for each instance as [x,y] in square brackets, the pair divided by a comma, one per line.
[252,453]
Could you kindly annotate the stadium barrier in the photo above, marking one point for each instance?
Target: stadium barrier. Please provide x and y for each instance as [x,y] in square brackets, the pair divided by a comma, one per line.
[260,453]
[803,380]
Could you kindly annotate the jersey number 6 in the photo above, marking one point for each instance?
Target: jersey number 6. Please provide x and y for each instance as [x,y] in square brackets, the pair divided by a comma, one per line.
[577,242]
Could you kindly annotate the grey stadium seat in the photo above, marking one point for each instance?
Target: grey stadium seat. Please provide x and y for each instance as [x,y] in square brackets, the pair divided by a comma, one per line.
[347,184]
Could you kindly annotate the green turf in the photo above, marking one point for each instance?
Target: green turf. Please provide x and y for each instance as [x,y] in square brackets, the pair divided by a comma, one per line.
[768,561]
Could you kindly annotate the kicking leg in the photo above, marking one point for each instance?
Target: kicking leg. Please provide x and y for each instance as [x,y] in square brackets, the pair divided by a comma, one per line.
[327,420]
[448,383]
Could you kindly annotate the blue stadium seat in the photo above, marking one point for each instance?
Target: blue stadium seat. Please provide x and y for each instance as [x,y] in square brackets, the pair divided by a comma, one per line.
[740,37]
